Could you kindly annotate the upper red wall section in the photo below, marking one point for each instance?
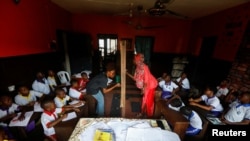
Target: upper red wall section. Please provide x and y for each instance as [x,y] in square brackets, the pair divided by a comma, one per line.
[221,25]
[172,38]
[28,28]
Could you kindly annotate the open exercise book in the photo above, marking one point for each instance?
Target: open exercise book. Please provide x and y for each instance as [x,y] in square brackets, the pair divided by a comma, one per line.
[75,102]
[16,122]
[70,116]
[215,121]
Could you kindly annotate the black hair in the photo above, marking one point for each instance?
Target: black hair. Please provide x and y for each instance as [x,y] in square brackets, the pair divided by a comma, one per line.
[4,95]
[73,81]
[57,90]
[46,100]
[176,102]
[187,111]
[247,93]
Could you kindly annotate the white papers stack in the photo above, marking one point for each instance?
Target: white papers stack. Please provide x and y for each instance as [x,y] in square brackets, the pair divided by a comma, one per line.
[70,116]
[37,107]
[24,123]
[150,134]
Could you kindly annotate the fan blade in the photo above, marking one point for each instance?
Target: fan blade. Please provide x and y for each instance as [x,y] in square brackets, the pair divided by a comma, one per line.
[176,14]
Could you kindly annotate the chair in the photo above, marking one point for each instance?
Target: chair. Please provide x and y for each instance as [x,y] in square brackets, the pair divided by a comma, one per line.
[64,77]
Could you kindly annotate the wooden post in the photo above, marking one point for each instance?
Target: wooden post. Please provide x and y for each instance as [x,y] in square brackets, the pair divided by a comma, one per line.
[123,77]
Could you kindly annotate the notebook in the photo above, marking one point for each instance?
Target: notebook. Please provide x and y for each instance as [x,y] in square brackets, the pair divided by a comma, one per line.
[23,123]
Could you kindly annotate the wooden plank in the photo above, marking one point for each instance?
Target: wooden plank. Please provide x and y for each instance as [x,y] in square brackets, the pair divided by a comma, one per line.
[123,77]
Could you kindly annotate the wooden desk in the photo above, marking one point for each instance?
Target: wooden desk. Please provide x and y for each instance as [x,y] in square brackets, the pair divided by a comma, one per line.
[112,123]
[20,132]
[178,122]
[65,128]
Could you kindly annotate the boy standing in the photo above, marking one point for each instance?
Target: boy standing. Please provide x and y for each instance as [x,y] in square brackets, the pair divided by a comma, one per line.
[97,86]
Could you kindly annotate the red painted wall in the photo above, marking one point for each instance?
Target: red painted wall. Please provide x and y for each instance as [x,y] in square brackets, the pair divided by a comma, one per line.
[217,25]
[28,28]
[172,38]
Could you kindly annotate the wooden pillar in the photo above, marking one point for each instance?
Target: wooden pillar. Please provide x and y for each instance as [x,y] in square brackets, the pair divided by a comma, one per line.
[123,77]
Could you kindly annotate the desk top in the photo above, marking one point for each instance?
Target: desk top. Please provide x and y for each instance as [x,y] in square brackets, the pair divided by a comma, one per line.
[84,123]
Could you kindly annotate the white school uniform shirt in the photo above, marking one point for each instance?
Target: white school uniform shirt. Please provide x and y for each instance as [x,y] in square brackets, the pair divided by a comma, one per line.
[238,112]
[47,118]
[167,87]
[24,100]
[185,83]
[195,120]
[41,87]
[221,91]
[52,82]
[5,112]
[61,102]
[74,93]
[213,101]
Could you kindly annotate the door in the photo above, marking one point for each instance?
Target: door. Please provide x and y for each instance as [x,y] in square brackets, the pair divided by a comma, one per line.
[144,45]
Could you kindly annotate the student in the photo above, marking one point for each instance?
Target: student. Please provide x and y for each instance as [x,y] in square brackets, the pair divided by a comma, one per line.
[184,85]
[8,110]
[52,116]
[168,87]
[222,89]
[195,122]
[231,97]
[62,99]
[41,84]
[212,103]
[52,80]
[97,86]
[27,97]
[74,90]
[74,93]
[164,74]
[239,112]
[83,81]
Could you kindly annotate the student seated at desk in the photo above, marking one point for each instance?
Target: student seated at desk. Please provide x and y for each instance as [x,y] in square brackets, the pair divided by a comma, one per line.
[195,122]
[83,82]
[41,84]
[239,111]
[8,110]
[74,90]
[52,116]
[27,97]
[61,99]
[212,103]
[168,87]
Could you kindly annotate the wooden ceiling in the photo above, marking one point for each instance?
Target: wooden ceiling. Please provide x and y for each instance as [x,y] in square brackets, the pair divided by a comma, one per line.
[190,8]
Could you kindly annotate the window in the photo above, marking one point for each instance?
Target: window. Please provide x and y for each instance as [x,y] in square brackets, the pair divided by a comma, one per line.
[107,44]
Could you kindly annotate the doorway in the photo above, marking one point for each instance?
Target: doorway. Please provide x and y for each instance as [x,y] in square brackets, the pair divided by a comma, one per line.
[107,46]
[144,45]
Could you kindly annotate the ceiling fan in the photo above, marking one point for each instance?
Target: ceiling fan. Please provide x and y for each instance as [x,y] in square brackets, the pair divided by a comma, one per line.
[160,9]
[137,25]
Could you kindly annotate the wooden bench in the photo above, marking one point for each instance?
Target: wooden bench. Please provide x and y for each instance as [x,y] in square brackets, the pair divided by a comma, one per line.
[176,120]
